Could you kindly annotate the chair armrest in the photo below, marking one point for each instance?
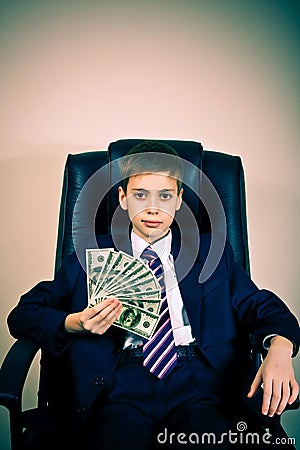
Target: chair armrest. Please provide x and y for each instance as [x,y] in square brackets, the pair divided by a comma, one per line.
[14,371]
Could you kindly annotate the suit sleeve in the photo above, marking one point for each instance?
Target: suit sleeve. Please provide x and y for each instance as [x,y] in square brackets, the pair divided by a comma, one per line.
[40,313]
[262,312]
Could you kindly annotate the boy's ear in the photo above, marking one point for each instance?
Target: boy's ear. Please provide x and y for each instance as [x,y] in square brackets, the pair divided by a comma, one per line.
[122,198]
[179,200]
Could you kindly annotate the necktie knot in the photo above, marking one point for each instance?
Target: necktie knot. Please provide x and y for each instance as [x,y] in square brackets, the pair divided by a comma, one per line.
[155,264]
[149,255]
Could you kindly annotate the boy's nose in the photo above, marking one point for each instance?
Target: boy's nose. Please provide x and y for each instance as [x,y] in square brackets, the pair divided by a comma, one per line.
[152,210]
[152,204]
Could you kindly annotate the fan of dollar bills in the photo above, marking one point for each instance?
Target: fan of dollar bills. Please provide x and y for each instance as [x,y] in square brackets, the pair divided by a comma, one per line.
[115,274]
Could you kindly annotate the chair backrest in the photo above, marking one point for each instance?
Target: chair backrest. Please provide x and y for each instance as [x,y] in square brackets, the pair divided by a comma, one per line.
[224,171]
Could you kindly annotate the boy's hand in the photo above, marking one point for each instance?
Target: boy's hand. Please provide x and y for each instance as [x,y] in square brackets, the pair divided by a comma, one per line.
[95,320]
[276,373]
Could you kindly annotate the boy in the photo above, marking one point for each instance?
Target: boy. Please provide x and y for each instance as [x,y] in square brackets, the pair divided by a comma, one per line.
[133,394]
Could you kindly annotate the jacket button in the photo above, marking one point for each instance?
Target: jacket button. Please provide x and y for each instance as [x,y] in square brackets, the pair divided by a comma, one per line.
[99,381]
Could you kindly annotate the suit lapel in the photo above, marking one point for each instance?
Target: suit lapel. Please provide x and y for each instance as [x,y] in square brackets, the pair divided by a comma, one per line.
[189,285]
[190,289]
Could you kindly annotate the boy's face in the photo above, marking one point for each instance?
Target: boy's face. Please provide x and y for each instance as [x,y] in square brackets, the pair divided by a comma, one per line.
[151,200]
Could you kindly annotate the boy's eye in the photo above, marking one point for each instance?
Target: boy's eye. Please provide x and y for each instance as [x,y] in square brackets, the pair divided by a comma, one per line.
[165,195]
[140,195]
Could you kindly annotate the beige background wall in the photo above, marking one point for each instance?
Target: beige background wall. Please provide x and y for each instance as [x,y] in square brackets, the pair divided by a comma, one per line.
[75,75]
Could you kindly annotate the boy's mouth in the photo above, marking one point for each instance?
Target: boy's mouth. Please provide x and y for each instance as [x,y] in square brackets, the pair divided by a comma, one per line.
[152,223]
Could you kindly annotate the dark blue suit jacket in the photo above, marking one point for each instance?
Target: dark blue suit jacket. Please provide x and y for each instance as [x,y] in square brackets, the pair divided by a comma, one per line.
[223,311]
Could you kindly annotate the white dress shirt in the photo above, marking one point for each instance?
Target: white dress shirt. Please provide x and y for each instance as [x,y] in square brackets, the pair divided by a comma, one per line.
[180,324]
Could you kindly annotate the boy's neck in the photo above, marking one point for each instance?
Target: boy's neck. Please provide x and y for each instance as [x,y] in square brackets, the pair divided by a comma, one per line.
[155,239]
[161,246]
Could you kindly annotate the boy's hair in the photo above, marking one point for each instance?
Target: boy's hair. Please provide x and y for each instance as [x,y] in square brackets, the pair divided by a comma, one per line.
[163,158]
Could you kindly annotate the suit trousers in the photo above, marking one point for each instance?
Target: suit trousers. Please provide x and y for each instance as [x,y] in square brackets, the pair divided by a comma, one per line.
[141,412]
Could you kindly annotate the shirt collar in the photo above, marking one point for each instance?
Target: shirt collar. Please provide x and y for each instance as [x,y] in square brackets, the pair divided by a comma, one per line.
[162,247]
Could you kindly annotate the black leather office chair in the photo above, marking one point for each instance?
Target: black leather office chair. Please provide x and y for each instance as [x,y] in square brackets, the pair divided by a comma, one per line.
[226,174]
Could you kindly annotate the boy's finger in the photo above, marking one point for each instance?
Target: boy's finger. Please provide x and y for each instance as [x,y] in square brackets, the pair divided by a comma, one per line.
[267,396]
[112,315]
[103,321]
[255,385]
[275,399]
[285,395]
[107,309]
[294,391]
[96,309]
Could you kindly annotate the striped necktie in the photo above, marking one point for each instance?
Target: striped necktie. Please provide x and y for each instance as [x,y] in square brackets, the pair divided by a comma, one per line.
[159,352]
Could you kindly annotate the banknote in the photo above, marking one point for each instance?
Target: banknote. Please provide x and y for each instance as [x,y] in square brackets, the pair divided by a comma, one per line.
[152,306]
[95,260]
[108,263]
[137,320]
